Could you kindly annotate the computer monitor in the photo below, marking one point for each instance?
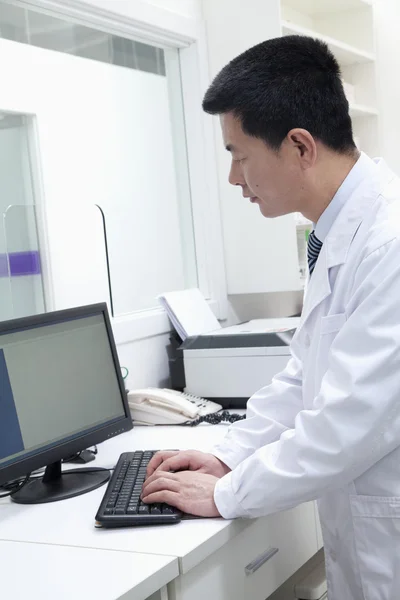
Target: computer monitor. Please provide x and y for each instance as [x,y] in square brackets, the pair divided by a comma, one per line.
[61,391]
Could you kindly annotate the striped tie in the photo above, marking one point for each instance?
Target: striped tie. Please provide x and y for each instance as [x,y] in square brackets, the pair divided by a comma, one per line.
[313,249]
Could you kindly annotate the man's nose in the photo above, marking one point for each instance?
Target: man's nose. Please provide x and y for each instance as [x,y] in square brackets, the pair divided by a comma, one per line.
[235,175]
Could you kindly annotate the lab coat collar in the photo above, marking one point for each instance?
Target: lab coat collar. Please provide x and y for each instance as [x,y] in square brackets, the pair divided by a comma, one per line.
[336,247]
[343,230]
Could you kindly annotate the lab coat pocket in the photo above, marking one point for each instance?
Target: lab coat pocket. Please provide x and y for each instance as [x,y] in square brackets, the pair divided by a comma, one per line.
[376,522]
[332,323]
[329,328]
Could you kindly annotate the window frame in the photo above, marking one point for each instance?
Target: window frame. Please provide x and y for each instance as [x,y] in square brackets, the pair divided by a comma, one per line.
[147,23]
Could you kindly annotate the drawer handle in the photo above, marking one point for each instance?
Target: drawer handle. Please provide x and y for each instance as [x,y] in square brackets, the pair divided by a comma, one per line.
[258,562]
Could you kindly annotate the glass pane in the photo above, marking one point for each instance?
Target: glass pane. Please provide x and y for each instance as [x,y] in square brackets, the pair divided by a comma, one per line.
[123,53]
[53,33]
[21,289]
[150,58]
[23,258]
[78,254]
[6,305]
[13,21]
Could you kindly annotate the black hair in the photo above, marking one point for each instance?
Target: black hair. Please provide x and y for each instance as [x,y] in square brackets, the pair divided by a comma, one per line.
[283,83]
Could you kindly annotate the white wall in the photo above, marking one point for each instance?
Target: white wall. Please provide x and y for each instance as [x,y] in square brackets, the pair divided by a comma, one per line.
[187,8]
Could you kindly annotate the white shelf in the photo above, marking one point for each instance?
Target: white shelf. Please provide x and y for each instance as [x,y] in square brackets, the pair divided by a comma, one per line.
[345,54]
[317,7]
[359,110]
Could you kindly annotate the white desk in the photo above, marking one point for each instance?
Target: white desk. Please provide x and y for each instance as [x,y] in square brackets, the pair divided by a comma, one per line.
[39,571]
[212,553]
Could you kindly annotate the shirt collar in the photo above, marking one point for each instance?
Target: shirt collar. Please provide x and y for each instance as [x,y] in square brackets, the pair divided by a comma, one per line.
[360,171]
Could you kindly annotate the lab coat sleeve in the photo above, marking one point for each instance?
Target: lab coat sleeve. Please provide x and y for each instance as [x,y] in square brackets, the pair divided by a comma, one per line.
[355,420]
[270,412]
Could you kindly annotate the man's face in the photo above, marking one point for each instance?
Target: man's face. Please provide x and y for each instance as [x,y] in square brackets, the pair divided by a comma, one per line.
[272,179]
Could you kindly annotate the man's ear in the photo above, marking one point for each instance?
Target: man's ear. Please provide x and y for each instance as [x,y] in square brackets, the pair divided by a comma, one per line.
[303,143]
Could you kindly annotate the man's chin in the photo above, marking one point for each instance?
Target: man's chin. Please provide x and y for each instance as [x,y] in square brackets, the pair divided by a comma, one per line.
[267,213]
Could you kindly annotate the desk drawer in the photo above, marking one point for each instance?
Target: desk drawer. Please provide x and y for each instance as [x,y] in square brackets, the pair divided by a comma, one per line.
[256,562]
[274,548]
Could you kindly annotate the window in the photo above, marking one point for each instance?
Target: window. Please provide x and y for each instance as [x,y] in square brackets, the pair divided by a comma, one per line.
[109,121]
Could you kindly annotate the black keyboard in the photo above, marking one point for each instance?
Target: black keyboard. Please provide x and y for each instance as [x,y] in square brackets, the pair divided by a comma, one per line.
[121,505]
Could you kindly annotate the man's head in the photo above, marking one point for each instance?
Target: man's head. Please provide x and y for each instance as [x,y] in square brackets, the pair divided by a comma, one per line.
[285,120]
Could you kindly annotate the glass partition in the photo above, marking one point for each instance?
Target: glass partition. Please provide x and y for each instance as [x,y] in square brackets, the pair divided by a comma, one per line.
[23,261]
[21,285]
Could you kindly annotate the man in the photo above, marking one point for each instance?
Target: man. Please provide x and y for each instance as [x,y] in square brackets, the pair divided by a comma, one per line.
[328,426]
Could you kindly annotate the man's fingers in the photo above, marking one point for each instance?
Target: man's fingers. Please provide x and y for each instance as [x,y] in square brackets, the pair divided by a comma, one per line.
[157,484]
[157,475]
[157,460]
[166,496]
[178,462]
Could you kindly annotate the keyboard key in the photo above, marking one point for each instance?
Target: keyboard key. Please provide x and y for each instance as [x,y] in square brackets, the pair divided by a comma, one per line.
[119,511]
[155,509]
[144,509]
[168,510]
[109,511]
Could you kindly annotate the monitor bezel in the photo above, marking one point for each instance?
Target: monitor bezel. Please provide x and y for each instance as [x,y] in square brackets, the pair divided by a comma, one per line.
[60,450]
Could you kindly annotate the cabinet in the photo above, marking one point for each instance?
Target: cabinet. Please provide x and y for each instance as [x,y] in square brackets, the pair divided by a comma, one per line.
[256,562]
[347,26]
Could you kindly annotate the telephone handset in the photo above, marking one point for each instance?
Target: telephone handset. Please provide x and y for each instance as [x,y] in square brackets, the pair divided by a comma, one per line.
[154,406]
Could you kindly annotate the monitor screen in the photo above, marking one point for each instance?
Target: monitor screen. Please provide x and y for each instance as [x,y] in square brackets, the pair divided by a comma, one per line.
[60,383]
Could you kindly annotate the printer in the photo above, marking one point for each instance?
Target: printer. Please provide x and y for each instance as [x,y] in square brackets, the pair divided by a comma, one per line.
[230,364]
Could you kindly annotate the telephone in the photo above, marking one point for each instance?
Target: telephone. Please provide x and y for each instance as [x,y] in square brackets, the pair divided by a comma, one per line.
[154,406]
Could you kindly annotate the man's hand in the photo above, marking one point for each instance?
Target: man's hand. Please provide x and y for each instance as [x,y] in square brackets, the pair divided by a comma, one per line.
[187,460]
[191,492]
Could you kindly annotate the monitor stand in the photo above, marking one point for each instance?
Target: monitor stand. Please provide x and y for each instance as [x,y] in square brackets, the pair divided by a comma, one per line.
[59,485]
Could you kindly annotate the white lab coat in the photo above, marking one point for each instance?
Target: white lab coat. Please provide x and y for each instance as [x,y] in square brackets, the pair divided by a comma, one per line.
[328,427]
